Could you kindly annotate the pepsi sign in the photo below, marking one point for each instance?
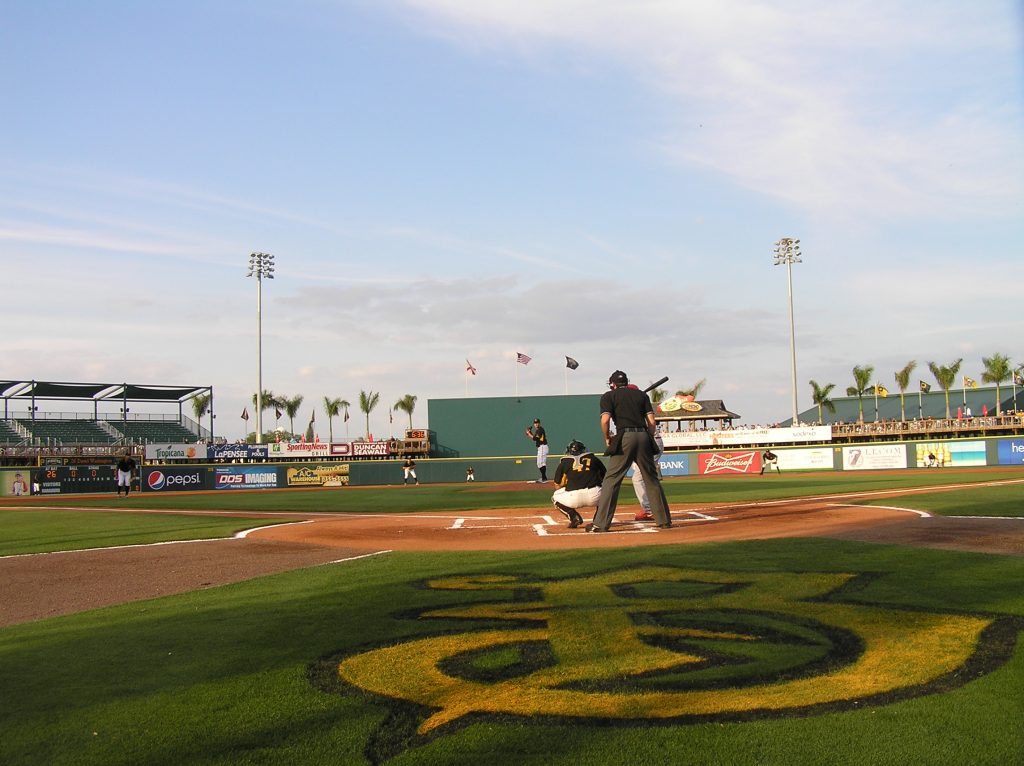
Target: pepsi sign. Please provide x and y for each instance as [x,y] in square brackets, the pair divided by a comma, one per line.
[168,479]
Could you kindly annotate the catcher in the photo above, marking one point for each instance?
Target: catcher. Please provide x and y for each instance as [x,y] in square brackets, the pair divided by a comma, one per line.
[578,476]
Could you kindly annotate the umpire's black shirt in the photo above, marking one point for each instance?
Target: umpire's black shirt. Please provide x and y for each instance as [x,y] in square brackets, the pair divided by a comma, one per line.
[628,407]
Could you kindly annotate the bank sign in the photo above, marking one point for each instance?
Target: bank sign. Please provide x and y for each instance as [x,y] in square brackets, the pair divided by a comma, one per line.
[1011,452]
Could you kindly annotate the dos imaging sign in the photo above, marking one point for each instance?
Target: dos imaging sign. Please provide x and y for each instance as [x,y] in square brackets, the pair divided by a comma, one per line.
[248,477]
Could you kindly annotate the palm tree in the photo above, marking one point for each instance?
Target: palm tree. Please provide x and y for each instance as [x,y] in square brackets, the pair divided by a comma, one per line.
[201,405]
[694,391]
[903,380]
[862,384]
[270,399]
[291,409]
[997,369]
[331,407]
[406,404]
[820,396]
[945,377]
[658,396]
[367,401]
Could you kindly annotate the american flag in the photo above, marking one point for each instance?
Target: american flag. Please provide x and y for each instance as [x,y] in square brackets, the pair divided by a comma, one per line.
[470,368]
[522,358]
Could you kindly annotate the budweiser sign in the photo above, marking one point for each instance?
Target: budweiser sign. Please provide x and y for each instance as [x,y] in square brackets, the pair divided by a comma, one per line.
[729,462]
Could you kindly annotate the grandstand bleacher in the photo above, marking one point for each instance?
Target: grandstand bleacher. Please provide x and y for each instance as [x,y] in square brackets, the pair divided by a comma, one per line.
[153,431]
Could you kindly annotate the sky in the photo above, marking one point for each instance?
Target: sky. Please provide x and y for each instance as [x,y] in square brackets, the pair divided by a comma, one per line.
[451,180]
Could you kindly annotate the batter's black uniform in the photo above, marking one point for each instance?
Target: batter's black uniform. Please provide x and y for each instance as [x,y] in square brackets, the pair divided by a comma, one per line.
[628,409]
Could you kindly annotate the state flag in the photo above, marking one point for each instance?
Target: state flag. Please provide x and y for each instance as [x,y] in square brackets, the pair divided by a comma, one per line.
[571,363]
[470,368]
[970,382]
[881,390]
[925,388]
[522,358]
[1018,379]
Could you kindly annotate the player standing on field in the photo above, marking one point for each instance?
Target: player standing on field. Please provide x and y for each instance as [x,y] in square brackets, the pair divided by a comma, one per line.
[125,467]
[540,438]
[409,467]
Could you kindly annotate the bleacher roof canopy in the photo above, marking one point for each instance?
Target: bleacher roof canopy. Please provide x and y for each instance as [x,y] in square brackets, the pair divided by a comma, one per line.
[96,392]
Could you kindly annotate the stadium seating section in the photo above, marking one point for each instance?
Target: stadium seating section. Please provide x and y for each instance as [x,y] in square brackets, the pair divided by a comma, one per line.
[68,432]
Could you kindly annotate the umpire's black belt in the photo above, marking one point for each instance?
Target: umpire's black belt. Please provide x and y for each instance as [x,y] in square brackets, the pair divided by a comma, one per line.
[631,428]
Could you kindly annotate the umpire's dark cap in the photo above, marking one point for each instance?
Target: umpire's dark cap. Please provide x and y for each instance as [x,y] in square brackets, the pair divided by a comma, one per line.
[618,378]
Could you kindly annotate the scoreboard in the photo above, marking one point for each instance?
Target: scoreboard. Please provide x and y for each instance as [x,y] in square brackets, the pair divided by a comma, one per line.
[63,479]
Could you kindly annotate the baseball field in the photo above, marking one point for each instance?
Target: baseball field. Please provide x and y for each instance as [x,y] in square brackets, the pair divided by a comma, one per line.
[853,618]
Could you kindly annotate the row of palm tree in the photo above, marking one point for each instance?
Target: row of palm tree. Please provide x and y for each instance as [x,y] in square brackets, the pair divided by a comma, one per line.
[998,369]
[368,401]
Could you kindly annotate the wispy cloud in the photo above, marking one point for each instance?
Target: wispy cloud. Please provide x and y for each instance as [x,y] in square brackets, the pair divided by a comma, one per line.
[800,101]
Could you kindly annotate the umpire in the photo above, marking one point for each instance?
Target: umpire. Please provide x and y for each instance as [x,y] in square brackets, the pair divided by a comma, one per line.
[631,411]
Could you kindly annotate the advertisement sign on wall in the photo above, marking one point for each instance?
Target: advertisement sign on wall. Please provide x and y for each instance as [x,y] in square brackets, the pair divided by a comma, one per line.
[238,452]
[813,459]
[318,476]
[287,451]
[371,449]
[950,454]
[670,465]
[245,477]
[157,453]
[741,436]
[16,483]
[173,479]
[728,463]
[1011,452]
[869,457]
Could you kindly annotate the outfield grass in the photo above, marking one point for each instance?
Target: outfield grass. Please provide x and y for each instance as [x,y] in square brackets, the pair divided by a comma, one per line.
[41,530]
[1002,501]
[241,674]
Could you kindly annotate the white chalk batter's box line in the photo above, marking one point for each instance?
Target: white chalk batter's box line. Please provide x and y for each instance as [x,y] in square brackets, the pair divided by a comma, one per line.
[542,529]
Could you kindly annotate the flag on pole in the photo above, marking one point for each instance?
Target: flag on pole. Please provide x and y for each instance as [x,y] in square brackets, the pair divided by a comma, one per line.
[346,416]
[278,413]
[470,368]
[245,413]
[925,388]
[1018,379]
[571,363]
[881,390]
[970,382]
[391,416]
[312,418]
[522,358]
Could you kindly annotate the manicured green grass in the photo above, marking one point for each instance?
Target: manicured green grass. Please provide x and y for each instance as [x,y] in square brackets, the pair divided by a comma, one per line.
[1006,501]
[43,530]
[235,675]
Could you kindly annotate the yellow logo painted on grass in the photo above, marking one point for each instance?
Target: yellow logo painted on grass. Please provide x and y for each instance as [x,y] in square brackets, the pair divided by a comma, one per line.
[665,643]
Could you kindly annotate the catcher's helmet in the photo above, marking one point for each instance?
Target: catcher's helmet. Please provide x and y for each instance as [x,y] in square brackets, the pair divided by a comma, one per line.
[575,448]
[618,378]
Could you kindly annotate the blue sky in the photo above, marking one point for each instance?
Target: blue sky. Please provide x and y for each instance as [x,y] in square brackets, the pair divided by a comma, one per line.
[443,180]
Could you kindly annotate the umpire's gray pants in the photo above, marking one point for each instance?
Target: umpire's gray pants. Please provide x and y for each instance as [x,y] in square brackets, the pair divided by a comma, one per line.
[636,448]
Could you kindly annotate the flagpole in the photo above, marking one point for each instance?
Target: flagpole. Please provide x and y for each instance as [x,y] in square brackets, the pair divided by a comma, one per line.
[566,380]
[920,406]
[876,402]
[516,363]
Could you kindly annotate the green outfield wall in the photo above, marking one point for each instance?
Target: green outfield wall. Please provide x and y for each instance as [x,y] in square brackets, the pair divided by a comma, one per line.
[496,426]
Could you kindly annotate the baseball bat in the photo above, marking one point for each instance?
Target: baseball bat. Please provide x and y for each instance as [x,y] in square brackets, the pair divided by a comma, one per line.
[655,385]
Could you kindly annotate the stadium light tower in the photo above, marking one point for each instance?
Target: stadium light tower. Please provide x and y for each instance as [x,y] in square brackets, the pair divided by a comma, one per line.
[787,251]
[261,266]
